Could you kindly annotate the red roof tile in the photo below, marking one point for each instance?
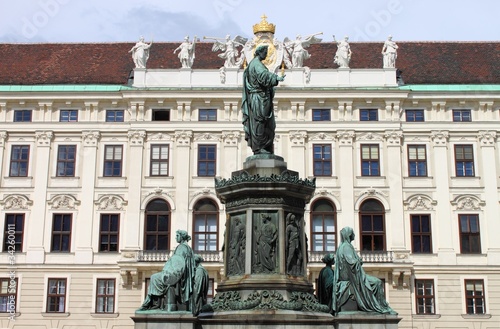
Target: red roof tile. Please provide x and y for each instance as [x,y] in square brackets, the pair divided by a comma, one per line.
[110,63]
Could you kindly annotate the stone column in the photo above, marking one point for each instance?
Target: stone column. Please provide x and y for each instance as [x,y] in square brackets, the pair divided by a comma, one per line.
[45,111]
[83,224]
[3,137]
[301,110]
[346,176]
[230,154]
[134,178]
[298,157]
[35,253]
[183,165]
[487,142]
[3,111]
[444,236]
[91,108]
[394,179]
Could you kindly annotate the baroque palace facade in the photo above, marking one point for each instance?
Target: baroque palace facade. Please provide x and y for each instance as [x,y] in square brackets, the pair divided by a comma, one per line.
[102,163]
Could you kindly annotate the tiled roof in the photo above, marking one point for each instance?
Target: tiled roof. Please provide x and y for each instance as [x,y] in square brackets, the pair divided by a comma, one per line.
[110,63]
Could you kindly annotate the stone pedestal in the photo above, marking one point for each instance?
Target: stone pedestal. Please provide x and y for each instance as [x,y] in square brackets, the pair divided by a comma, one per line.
[360,320]
[162,320]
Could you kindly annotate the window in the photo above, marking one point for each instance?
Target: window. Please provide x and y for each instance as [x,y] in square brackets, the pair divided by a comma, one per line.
[323,228]
[321,115]
[425,297]
[474,297]
[414,115]
[159,160]
[322,160]
[113,160]
[470,240]
[368,115]
[109,233]
[211,290]
[372,219]
[421,234]
[461,116]
[370,165]
[205,228]
[417,161]
[66,157]
[61,232]
[114,115]
[464,161]
[207,115]
[105,296]
[14,228]
[157,225]
[56,296]
[68,115]
[19,160]
[206,160]
[22,115]
[8,295]
[161,115]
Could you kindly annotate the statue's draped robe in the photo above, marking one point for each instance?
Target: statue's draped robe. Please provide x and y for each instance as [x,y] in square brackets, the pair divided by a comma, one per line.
[266,247]
[351,279]
[201,282]
[257,106]
[325,286]
[178,273]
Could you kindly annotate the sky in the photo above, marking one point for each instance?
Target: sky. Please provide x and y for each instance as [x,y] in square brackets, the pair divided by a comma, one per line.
[76,21]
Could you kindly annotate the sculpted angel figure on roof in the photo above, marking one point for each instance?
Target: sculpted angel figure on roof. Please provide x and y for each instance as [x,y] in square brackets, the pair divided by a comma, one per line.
[389,52]
[186,53]
[229,50]
[297,48]
[140,53]
[343,55]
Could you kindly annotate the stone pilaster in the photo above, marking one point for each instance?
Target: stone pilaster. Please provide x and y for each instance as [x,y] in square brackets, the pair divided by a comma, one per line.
[346,173]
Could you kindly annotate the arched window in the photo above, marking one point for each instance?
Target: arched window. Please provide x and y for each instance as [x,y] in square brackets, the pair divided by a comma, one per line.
[372,223]
[323,226]
[157,225]
[205,226]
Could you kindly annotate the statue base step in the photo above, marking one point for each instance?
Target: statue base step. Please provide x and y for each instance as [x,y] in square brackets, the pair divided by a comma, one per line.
[363,320]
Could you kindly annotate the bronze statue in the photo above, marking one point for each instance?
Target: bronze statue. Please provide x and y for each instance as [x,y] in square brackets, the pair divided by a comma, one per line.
[201,282]
[325,281]
[257,103]
[351,282]
[175,281]
[293,246]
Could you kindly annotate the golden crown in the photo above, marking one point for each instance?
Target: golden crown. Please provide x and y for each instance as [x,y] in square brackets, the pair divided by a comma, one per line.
[264,26]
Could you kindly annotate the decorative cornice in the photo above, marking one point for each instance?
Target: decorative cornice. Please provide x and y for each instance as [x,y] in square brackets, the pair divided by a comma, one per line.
[487,138]
[110,202]
[298,137]
[90,138]
[322,137]
[439,137]
[207,137]
[346,137]
[419,202]
[136,137]
[63,201]
[183,138]
[369,137]
[468,202]
[44,138]
[394,137]
[231,137]
[159,137]
[16,202]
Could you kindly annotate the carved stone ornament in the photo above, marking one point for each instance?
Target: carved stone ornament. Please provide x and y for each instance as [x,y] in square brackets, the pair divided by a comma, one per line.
[285,176]
[90,138]
[231,137]
[266,299]
[44,138]
[468,202]
[346,137]
[322,137]
[16,202]
[183,137]
[3,137]
[487,138]
[207,137]
[369,137]
[420,202]
[110,202]
[159,137]
[62,201]
[136,137]
[205,192]
[298,138]
[440,138]
[394,137]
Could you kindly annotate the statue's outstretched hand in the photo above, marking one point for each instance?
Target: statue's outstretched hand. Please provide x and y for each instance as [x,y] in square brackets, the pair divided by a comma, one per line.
[281,78]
